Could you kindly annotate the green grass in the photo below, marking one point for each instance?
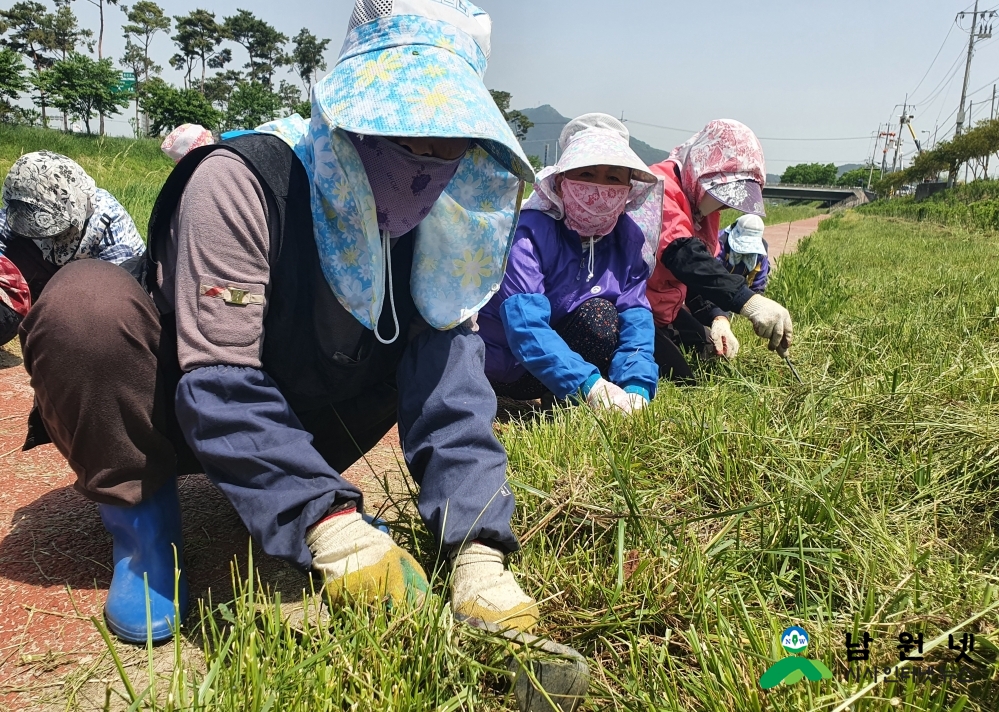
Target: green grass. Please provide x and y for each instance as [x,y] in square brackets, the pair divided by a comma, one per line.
[133,171]
[672,548]
[974,206]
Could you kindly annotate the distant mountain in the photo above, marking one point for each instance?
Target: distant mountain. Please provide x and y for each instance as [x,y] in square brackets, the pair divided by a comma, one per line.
[773,179]
[847,168]
[548,125]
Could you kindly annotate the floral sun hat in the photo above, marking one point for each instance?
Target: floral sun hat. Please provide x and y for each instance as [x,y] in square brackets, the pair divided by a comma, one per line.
[412,68]
[600,139]
[415,68]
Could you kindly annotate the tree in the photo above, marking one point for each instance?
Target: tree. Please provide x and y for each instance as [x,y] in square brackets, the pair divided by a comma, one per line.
[81,87]
[168,107]
[307,57]
[810,174]
[251,104]
[517,119]
[857,178]
[12,81]
[66,34]
[30,34]
[198,37]
[289,95]
[262,42]
[145,20]
[219,88]
[99,4]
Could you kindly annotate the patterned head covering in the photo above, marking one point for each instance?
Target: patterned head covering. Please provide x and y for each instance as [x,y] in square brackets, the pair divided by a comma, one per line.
[47,194]
[415,68]
[412,68]
[599,139]
[724,160]
[184,139]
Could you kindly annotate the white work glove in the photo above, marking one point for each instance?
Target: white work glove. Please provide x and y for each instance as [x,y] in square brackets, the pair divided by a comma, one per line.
[606,396]
[770,321]
[724,340]
[638,401]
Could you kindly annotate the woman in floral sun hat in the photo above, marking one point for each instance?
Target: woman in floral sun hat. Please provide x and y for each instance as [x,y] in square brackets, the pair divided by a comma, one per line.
[690,291]
[571,316]
[311,285]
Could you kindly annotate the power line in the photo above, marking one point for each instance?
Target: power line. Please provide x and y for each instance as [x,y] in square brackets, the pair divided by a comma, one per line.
[944,83]
[937,56]
[762,138]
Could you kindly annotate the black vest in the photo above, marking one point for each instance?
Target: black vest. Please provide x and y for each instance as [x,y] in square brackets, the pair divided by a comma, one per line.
[313,348]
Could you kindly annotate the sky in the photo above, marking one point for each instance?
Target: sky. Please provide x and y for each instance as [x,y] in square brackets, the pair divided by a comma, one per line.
[790,69]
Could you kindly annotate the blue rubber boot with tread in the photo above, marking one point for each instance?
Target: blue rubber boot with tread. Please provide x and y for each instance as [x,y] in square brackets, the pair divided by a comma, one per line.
[144,537]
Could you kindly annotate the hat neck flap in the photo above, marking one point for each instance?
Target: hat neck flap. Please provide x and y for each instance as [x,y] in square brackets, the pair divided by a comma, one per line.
[461,246]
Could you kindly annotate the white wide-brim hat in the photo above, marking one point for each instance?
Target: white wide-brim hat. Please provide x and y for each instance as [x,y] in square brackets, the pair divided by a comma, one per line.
[599,139]
[746,236]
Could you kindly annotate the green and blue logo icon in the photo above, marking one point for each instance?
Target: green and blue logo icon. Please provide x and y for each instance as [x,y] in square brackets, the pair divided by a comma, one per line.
[791,669]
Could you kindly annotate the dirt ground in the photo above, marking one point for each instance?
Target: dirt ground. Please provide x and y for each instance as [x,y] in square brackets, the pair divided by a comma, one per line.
[55,555]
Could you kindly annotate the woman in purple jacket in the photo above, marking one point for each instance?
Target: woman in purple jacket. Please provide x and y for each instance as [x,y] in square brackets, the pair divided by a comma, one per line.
[571,316]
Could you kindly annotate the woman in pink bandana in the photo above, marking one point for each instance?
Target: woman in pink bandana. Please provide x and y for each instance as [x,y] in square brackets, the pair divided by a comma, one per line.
[689,291]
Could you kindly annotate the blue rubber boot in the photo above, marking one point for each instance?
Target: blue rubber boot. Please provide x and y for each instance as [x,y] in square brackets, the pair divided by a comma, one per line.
[379,524]
[143,536]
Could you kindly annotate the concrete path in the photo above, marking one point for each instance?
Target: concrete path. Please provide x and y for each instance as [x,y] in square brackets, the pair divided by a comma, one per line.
[55,555]
[784,237]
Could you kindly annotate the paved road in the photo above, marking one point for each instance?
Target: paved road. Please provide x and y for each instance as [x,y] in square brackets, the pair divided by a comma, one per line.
[55,555]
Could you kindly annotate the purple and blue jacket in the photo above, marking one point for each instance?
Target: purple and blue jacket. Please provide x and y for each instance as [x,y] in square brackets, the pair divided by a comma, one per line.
[546,280]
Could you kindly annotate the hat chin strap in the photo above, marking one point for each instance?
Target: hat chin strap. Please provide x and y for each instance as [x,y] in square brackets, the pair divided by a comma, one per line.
[387,249]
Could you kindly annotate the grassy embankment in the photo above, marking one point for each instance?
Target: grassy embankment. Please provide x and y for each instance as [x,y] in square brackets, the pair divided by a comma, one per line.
[776,214]
[133,171]
[673,547]
[973,207]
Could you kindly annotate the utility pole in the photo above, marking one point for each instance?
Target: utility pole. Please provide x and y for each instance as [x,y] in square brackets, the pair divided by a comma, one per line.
[874,155]
[546,155]
[904,119]
[976,34]
[992,117]
[884,153]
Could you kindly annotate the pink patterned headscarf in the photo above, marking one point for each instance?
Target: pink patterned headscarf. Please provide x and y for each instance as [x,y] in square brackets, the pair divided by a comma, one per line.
[724,152]
[184,139]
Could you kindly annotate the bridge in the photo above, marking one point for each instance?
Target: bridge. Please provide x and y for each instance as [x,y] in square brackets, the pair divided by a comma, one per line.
[828,194]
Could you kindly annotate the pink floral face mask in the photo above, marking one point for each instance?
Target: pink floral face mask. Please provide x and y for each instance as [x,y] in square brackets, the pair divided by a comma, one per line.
[593,210]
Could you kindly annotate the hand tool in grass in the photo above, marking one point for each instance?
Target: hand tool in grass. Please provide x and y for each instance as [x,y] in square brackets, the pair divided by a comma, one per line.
[787,360]
[547,677]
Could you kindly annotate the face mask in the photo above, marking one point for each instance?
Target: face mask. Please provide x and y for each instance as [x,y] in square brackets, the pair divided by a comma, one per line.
[593,210]
[750,260]
[405,185]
